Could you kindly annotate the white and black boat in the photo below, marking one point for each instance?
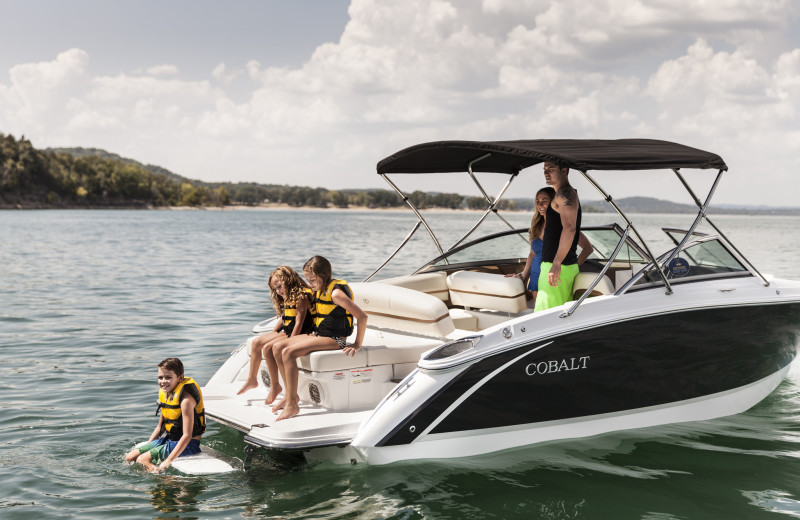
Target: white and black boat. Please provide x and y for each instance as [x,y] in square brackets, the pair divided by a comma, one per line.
[456,364]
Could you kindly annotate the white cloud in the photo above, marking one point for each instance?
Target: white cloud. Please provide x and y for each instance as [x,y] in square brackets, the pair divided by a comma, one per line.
[403,73]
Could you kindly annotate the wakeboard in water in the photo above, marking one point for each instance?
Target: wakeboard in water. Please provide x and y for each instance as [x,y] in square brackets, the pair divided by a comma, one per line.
[207,462]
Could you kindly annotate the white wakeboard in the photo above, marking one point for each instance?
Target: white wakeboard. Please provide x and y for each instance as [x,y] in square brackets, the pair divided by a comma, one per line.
[207,462]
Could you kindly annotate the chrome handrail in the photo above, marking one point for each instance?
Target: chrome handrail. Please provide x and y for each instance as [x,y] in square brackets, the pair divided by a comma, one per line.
[488,210]
[697,220]
[750,265]
[630,224]
[416,212]
[485,195]
[408,237]
[600,276]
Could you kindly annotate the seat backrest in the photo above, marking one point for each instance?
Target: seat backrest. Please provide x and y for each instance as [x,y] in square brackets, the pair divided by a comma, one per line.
[399,308]
[434,283]
[584,280]
[487,291]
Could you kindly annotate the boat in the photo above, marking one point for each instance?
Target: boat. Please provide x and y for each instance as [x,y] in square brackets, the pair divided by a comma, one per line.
[456,364]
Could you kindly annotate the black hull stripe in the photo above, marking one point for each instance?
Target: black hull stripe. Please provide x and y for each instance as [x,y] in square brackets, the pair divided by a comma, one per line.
[643,362]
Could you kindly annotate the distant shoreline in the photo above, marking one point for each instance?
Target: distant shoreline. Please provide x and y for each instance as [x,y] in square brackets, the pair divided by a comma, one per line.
[236,207]
[29,206]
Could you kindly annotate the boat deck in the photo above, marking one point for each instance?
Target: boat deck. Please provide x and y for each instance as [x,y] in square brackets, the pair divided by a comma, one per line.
[313,426]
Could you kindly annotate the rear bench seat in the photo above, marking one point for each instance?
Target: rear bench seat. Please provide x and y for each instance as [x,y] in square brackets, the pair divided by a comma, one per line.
[389,308]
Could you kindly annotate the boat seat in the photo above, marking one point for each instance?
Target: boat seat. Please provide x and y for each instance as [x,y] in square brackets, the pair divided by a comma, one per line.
[464,319]
[399,308]
[329,360]
[434,284]
[487,291]
[422,318]
[584,280]
[380,348]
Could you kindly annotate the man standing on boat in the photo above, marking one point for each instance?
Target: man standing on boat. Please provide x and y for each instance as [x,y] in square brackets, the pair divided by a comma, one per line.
[560,241]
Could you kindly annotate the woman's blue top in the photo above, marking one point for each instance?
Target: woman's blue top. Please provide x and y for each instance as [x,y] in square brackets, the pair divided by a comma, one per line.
[536,264]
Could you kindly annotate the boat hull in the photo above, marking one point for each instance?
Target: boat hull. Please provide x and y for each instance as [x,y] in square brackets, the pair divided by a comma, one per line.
[684,365]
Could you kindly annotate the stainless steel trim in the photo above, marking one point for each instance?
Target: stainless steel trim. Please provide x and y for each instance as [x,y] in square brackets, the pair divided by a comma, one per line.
[749,264]
[697,220]
[650,255]
[599,277]
[376,271]
[491,208]
[416,212]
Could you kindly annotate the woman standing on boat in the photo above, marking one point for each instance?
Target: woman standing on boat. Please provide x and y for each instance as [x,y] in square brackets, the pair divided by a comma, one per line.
[534,262]
[533,265]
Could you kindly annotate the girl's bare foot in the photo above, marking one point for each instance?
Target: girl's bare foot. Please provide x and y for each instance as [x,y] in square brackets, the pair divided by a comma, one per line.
[290,410]
[274,390]
[279,405]
[250,383]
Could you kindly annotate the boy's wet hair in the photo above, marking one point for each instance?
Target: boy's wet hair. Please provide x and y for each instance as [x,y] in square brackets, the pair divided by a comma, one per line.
[173,364]
[320,266]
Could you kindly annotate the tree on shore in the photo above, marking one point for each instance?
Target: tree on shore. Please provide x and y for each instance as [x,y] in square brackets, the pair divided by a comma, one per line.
[81,177]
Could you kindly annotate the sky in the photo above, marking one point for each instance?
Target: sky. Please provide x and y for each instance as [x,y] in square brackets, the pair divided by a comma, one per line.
[316,92]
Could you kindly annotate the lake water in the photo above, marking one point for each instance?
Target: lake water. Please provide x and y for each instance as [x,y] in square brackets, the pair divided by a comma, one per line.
[91,301]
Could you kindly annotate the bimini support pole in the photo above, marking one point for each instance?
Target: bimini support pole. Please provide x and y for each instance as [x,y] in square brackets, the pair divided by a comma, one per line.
[697,220]
[719,232]
[492,203]
[416,212]
[408,237]
[630,224]
[486,197]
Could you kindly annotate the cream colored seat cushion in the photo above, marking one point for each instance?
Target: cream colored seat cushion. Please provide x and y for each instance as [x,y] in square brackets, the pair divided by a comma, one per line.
[328,360]
[584,280]
[487,291]
[434,284]
[398,308]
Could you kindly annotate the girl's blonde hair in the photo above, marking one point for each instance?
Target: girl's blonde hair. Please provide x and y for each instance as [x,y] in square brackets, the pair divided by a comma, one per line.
[293,286]
[319,266]
[537,222]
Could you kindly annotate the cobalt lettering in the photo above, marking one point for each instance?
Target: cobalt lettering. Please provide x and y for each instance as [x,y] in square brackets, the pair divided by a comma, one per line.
[548,367]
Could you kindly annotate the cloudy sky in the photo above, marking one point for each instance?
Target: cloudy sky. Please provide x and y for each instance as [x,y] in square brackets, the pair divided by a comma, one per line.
[316,92]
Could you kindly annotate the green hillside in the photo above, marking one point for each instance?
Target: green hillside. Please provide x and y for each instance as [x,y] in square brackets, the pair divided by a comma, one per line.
[95,178]
[91,177]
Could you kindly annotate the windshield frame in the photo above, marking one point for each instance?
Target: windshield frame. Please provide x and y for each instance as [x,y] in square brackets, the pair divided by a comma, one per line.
[431,266]
[633,284]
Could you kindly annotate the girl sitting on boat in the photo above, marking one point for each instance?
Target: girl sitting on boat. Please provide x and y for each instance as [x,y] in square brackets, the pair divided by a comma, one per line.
[291,298]
[333,323]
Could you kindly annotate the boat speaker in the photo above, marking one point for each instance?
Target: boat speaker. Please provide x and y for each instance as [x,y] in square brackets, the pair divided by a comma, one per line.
[313,391]
[265,377]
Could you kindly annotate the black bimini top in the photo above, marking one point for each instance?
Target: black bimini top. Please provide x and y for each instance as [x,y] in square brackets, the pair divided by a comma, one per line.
[580,154]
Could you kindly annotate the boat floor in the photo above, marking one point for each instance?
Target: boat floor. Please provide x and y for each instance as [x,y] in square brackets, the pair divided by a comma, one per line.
[314,426]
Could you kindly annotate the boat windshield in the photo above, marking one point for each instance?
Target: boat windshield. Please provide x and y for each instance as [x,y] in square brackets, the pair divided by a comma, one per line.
[507,247]
[699,260]
[604,239]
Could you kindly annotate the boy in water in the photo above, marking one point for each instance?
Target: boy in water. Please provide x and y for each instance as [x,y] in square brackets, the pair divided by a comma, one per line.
[182,418]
